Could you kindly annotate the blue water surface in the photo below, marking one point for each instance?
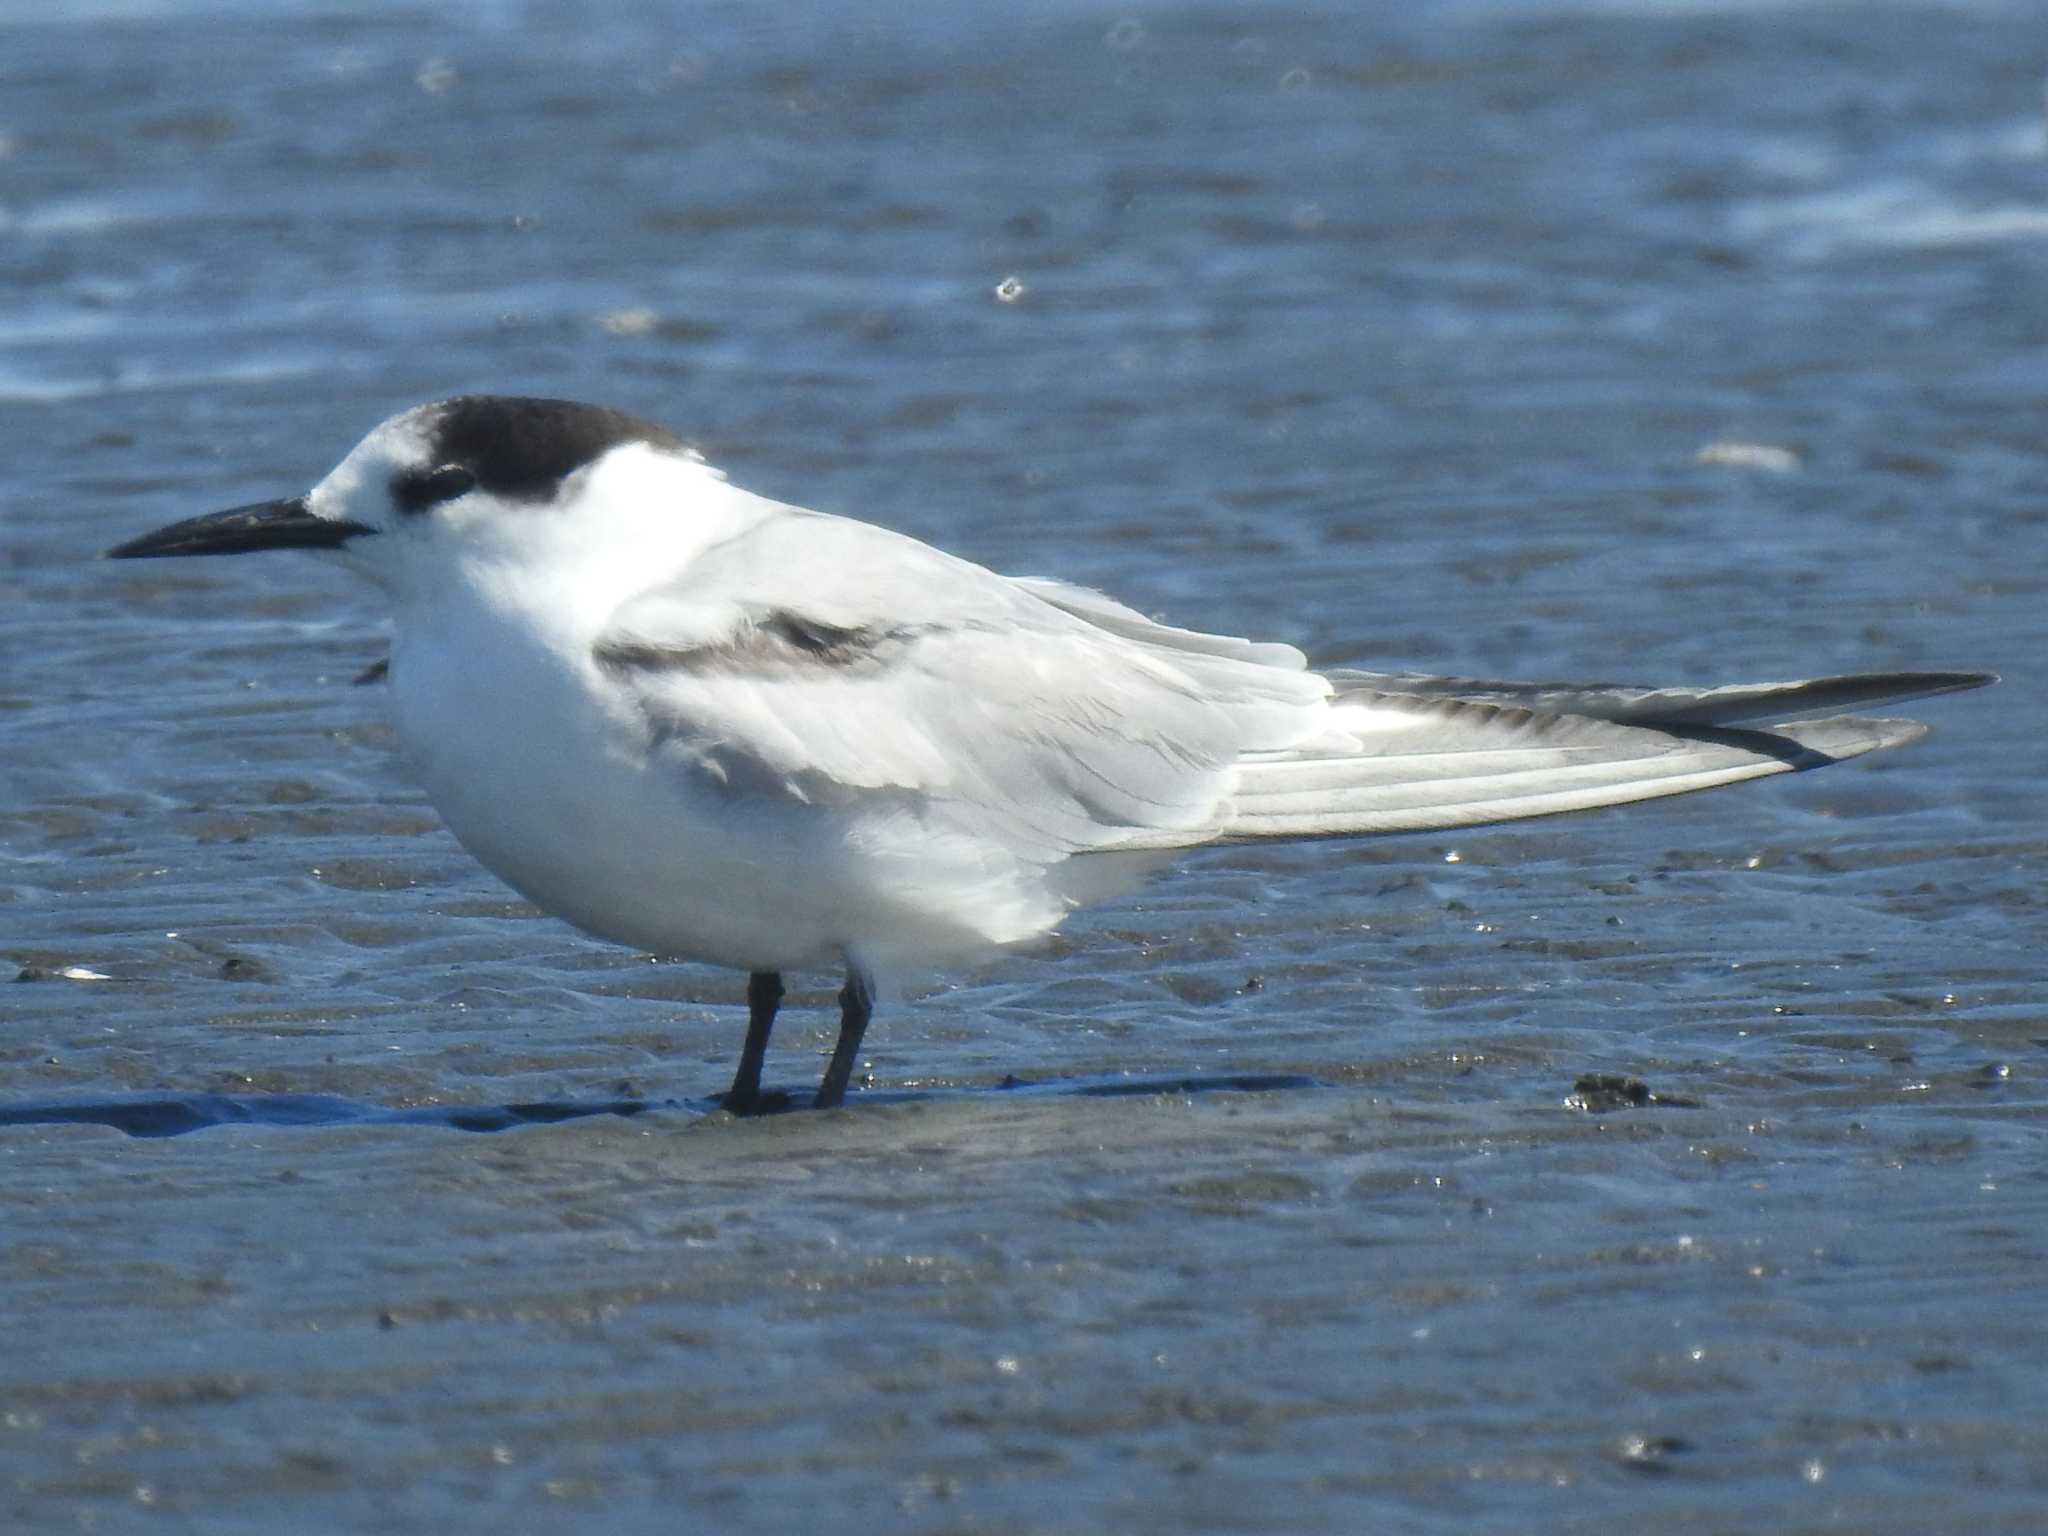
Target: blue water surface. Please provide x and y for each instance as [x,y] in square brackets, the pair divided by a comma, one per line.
[1654,341]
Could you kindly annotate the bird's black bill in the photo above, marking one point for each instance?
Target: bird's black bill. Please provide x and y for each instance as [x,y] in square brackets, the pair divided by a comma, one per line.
[288,524]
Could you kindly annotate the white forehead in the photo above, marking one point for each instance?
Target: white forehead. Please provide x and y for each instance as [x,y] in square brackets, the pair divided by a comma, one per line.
[400,443]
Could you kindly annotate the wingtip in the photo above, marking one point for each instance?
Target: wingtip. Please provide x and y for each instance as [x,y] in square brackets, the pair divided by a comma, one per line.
[1956,682]
[1900,686]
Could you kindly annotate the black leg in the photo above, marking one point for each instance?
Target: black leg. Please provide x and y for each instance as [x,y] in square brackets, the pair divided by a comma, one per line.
[764,996]
[856,1007]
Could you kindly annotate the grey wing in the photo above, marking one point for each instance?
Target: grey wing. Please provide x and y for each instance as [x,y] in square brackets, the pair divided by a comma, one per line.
[818,660]
[1623,703]
[1409,751]
[1435,752]
[1106,613]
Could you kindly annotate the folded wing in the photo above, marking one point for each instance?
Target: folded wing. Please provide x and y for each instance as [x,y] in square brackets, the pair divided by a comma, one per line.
[814,659]
[829,662]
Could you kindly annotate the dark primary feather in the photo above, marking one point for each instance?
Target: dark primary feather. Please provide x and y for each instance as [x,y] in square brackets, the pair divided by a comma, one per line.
[1727,704]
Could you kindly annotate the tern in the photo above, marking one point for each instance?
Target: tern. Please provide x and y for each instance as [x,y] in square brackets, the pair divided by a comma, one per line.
[717,727]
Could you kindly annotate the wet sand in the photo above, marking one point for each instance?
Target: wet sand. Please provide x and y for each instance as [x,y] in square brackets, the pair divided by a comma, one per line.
[1681,1165]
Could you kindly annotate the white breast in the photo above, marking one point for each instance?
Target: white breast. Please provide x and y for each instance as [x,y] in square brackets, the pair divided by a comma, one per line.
[548,773]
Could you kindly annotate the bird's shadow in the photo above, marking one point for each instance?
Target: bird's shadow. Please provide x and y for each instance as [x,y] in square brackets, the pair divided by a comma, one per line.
[176,1114]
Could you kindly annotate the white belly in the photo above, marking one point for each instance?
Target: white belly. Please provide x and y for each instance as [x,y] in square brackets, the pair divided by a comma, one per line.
[557,785]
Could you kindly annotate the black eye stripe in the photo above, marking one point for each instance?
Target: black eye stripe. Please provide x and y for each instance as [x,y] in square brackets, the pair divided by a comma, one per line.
[418,490]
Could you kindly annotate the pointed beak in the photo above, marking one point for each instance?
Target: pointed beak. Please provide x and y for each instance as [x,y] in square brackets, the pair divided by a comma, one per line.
[288,524]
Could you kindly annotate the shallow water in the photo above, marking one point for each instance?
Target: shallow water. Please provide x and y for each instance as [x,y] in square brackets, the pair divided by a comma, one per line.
[1620,340]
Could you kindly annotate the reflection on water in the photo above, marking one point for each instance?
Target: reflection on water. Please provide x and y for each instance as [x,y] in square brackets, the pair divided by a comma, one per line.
[175,1115]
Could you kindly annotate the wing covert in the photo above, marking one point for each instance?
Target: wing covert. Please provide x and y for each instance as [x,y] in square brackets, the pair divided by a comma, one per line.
[829,661]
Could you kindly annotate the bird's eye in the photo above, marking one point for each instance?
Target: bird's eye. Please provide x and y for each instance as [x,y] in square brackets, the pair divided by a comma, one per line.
[419,490]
